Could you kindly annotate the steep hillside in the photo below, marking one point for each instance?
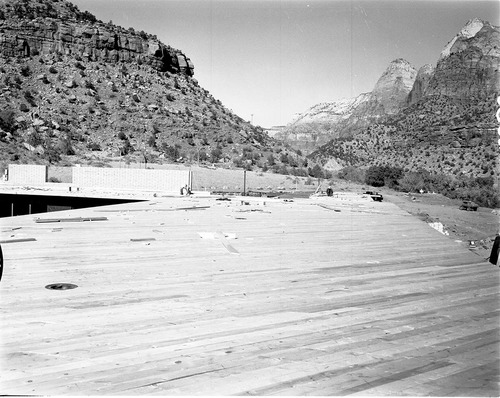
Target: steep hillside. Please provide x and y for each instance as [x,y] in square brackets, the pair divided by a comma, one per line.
[438,134]
[77,90]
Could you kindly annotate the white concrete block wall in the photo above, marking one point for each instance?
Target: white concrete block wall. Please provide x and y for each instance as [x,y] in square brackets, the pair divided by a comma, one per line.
[27,174]
[145,179]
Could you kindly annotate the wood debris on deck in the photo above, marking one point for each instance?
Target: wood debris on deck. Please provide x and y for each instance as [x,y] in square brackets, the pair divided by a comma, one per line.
[363,300]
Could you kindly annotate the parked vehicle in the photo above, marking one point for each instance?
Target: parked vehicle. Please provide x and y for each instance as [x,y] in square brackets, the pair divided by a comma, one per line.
[468,205]
[375,196]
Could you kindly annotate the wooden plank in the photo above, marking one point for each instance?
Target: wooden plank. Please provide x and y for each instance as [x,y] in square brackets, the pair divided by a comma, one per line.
[367,300]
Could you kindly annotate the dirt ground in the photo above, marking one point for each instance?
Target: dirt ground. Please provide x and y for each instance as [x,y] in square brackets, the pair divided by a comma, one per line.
[475,230]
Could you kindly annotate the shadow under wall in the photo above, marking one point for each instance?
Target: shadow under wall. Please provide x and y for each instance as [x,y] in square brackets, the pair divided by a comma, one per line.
[18,205]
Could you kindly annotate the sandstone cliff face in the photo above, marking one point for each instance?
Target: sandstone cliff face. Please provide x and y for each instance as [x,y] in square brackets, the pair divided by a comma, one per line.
[467,69]
[469,65]
[313,128]
[331,111]
[424,75]
[80,35]
[448,124]
[330,120]
[394,85]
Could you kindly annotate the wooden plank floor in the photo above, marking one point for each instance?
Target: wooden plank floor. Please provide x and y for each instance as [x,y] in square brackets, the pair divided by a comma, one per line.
[330,296]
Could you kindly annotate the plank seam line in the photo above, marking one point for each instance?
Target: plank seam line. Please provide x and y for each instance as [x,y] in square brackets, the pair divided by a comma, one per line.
[155,383]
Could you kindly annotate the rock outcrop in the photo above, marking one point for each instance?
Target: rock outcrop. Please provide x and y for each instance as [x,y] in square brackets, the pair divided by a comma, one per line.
[424,75]
[76,90]
[469,64]
[331,111]
[446,123]
[329,120]
[59,27]
[394,85]
[467,67]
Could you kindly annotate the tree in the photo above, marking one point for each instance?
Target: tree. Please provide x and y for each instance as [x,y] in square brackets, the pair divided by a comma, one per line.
[352,173]
[216,154]
[412,182]
[316,172]
[374,176]
[378,176]
[152,141]
[270,160]
[126,148]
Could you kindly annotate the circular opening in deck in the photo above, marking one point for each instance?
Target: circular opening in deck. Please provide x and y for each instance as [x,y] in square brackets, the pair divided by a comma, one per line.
[60,286]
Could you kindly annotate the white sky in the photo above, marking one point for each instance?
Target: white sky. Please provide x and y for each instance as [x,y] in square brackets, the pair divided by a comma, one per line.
[274,58]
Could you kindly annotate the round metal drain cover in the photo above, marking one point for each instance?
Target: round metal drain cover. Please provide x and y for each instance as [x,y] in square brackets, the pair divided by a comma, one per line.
[60,286]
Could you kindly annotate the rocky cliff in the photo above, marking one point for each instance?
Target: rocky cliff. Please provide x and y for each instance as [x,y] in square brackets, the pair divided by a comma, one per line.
[330,120]
[76,90]
[393,87]
[424,75]
[469,64]
[448,123]
[46,27]
[467,69]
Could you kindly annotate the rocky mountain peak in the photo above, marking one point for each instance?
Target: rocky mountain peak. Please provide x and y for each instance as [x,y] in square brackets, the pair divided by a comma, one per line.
[469,63]
[394,85]
[469,30]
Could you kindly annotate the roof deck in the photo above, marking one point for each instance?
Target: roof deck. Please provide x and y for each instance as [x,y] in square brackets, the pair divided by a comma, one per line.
[248,296]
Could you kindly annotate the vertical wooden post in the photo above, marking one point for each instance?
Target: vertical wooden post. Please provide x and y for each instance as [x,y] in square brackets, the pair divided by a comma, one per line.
[244,183]
[12,209]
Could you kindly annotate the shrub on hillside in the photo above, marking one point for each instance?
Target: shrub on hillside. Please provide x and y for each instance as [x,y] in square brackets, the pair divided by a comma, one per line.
[34,139]
[26,71]
[122,136]
[7,120]
[51,153]
[93,146]
[216,154]
[171,152]
[28,95]
[88,84]
[64,146]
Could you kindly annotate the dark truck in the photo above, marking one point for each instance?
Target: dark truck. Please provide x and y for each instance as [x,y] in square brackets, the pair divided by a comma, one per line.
[375,196]
[468,205]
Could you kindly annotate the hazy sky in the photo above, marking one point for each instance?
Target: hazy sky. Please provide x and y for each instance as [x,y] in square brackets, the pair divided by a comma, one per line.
[274,58]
